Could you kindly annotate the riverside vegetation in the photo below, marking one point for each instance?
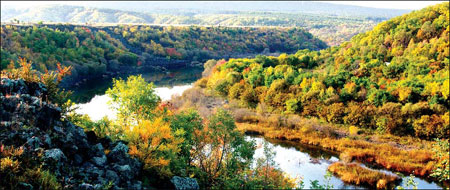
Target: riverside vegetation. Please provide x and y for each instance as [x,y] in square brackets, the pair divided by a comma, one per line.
[145,147]
[378,99]
[96,51]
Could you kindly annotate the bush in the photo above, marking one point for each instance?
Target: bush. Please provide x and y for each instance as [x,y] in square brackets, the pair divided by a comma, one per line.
[154,143]
[292,106]
[248,97]
[353,130]
[431,126]
[128,59]
[390,119]
[335,113]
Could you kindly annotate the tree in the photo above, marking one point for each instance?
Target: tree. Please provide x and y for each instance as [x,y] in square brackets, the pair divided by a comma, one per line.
[154,143]
[134,99]
[188,124]
[267,174]
[223,152]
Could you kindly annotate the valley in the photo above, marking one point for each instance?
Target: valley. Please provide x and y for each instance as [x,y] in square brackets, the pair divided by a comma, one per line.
[214,98]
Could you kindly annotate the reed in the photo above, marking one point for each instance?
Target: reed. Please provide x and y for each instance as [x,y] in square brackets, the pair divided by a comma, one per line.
[356,174]
[419,162]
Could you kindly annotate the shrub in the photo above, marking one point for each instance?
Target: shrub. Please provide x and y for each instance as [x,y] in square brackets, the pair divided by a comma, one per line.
[356,174]
[431,126]
[390,119]
[442,169]
[128,59]
[353,130]
[154,143]
[248,97]
[335,113]
[292,106]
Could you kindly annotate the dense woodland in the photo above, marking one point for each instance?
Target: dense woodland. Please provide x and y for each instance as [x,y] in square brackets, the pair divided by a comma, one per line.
[331,23]
[393,79]
[93,51]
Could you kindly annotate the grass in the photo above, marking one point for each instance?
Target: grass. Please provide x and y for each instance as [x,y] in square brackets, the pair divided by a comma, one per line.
[419,162]
[356,174]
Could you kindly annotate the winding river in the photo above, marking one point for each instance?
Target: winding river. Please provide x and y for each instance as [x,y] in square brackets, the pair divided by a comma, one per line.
[307,162]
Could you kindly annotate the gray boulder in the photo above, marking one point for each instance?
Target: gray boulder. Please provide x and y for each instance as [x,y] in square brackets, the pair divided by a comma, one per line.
[124,172]
[99,161]
[86,186]
[184,183]
[55,155]
[119,153]
[112,176]
[98,150]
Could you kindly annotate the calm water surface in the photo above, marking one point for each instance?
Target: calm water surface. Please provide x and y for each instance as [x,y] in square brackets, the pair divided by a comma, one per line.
[311,163]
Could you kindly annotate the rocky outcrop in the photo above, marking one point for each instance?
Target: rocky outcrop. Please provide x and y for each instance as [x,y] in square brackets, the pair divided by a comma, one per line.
[77,158]
[184,183]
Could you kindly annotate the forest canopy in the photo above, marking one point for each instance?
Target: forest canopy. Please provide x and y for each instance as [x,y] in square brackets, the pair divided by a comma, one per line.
[393,79]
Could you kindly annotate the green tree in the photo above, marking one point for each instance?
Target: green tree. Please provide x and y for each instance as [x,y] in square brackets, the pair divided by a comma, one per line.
[223,152]
[134,99]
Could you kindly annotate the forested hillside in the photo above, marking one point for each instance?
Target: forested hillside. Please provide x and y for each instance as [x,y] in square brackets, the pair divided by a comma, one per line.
[393,79]
[95,50]
[371,110]
[332,23]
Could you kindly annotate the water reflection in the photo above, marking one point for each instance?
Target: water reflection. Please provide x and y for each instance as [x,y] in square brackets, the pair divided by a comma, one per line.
[176,77]
[98,107]
[301,161]
[311,163]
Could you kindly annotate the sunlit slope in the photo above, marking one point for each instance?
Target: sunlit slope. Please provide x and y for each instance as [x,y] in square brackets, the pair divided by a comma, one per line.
[392,79]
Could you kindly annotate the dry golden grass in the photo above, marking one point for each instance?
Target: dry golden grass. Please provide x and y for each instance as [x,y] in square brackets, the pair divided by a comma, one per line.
[419,162]
[356,174]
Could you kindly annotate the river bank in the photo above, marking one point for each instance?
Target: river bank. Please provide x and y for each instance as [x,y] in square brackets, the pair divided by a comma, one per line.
[401,155]
[379,154]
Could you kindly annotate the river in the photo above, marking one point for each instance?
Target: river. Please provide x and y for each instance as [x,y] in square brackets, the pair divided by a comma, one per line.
[295,159]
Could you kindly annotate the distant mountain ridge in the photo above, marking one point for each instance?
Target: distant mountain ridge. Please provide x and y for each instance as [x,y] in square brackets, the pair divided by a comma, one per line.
[330,22]
[133,12]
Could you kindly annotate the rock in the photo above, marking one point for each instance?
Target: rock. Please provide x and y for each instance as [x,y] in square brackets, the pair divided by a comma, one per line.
[34,142]
[55,155]
[136,185]
[119,153]
[184,183]
[98,150]
[86,186]
[92,137]
[25,186]
[112,176]
[99,161]
[77,159]
[47,140]
[94,172]
[124,172]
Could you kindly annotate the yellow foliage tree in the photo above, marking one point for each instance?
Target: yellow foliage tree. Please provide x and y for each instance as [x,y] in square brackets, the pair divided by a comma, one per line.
[403,93]
[432,88]
[445,89]
[154,144]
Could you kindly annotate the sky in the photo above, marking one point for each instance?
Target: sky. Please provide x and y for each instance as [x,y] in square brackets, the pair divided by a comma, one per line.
[413,5]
